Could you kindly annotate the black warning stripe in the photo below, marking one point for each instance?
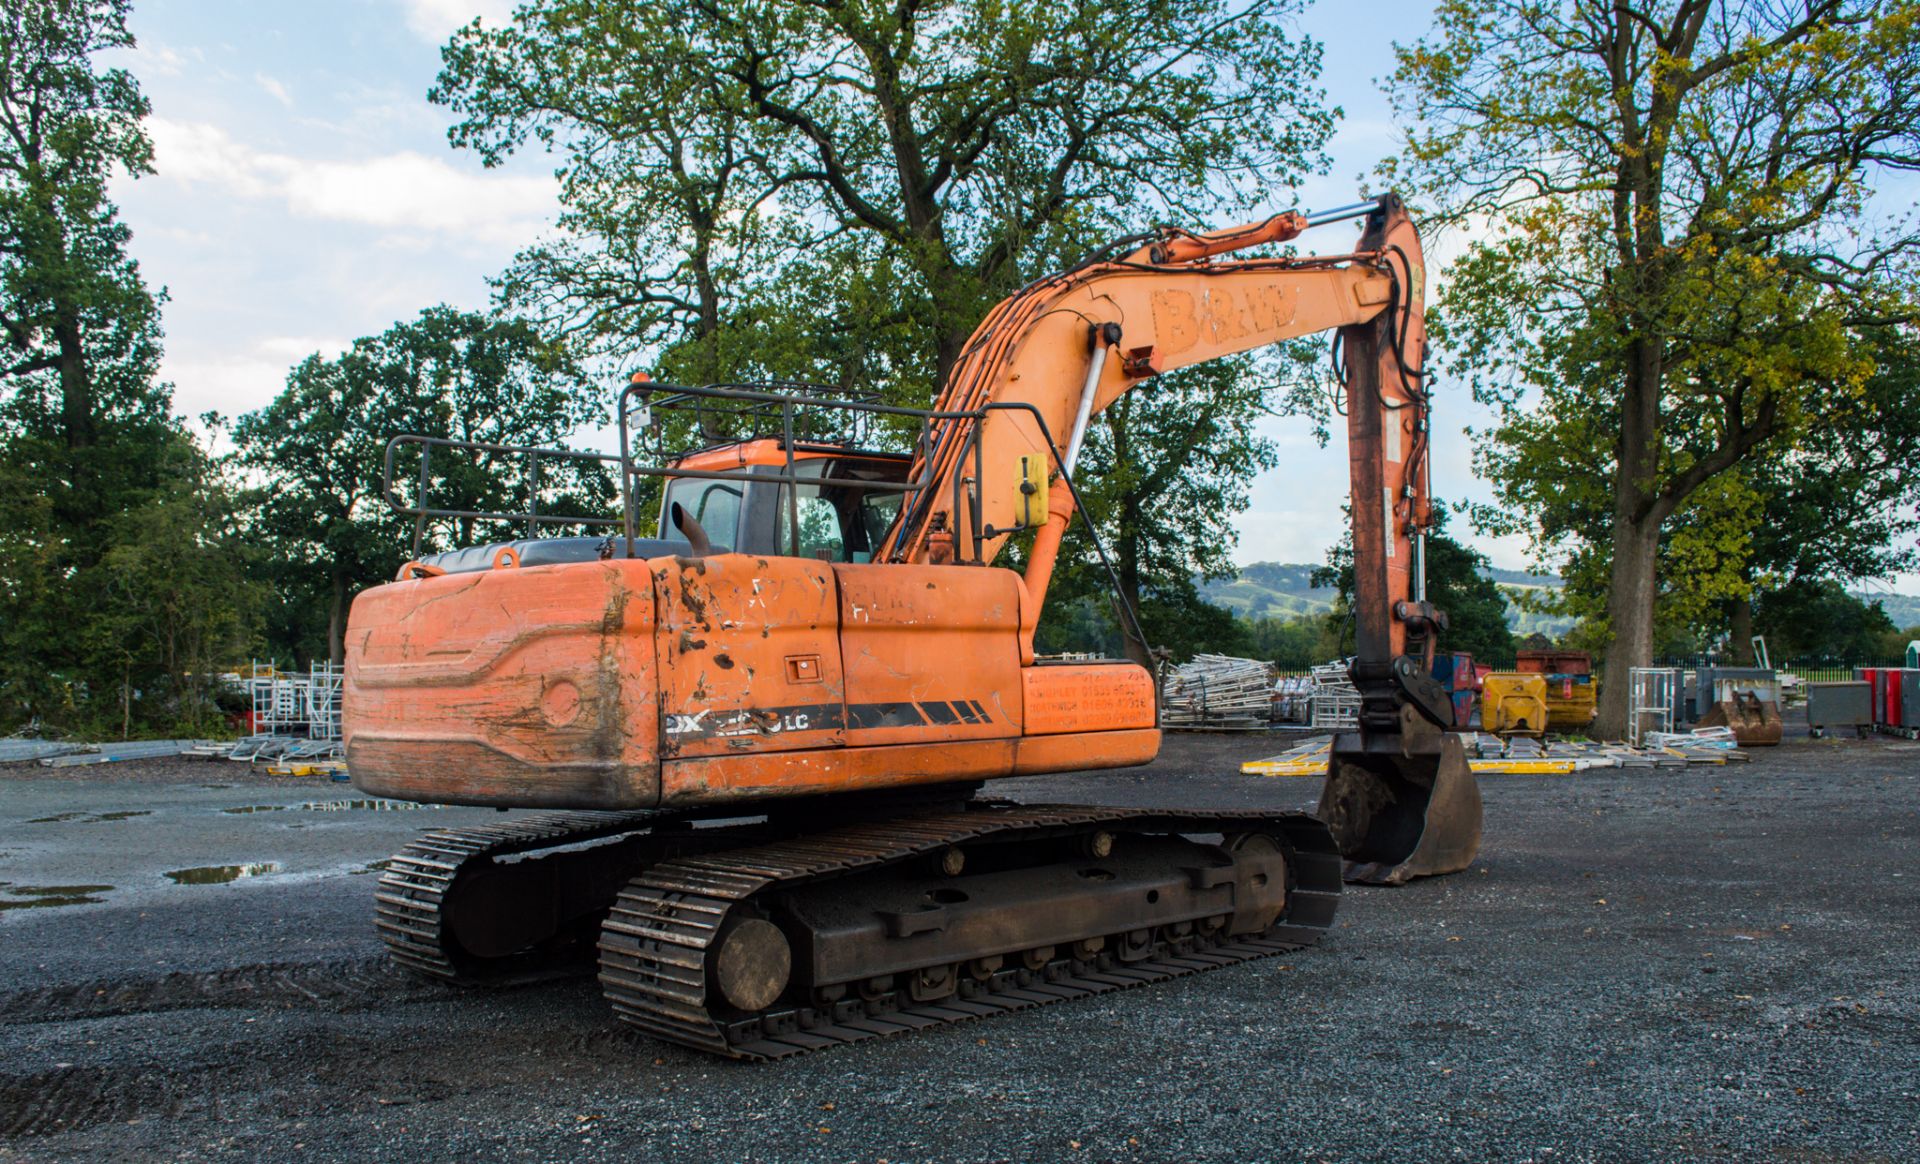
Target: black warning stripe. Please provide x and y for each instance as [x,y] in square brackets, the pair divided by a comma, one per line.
[940,713]
[879,715]
[935,712]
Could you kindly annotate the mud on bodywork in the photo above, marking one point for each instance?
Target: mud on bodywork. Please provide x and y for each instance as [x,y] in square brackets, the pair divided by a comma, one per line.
[749,655]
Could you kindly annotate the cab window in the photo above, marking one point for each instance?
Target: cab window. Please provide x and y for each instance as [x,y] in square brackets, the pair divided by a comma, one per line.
[714,504]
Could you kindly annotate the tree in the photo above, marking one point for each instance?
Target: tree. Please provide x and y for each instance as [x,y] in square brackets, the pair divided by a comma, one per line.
[1675,247]
[957,146]
[1842,505]
[120,584]
[1812,622]
[319,452]
[79,328]
[183,600]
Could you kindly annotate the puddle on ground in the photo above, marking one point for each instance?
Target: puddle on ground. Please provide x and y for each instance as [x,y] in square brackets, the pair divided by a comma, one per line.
[221,874]
[379,866]
[61,818]
[216,786]
[333,806]
[38,896]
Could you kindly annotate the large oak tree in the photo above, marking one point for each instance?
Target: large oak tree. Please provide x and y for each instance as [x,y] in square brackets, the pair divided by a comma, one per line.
[1675,242]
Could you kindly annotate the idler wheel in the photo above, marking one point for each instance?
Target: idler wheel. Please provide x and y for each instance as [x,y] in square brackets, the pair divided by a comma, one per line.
[753,964]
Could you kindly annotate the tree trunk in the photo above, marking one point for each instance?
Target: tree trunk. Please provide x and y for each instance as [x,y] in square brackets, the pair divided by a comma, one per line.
[1128,567]
[337,622]
[1636,551]
[76,388]
[951,344]
[1742,620]
[1637,517]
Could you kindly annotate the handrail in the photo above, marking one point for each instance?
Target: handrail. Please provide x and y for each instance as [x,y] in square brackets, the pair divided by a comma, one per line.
[420,512]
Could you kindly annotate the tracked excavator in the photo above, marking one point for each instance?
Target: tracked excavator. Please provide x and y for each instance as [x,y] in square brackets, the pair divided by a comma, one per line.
[758,739]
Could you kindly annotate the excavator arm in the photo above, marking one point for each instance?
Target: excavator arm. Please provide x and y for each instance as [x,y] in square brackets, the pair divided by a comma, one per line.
[1399,797]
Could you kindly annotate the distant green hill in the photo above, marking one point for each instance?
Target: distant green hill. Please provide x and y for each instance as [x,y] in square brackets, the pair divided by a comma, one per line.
[1284,590]
[1280,590]
[1902,609]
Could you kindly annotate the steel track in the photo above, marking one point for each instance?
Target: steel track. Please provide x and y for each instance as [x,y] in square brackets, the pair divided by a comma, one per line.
[409,906]
[654,946]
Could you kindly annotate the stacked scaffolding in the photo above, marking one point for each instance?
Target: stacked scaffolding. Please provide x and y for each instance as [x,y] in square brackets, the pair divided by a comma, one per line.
[1219,692]
[295,713]
[1336,701]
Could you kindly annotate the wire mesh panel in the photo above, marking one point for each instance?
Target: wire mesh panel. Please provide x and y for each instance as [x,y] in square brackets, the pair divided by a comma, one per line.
[1336,701]
[1654,692]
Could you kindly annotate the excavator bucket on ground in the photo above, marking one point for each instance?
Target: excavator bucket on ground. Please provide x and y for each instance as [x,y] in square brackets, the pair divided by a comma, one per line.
[1397,813]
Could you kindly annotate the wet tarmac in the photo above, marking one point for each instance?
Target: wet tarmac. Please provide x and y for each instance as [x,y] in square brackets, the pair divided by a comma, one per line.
[1643,965]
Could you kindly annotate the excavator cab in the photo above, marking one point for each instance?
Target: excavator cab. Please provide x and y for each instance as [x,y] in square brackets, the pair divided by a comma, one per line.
[833,512]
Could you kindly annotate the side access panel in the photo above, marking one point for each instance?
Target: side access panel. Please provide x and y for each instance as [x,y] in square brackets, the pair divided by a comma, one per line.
[932,653]
[1087,715]
[749,654]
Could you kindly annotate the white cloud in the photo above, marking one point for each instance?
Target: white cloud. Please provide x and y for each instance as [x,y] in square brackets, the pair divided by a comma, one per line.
[396,191]
[150,59]
[274,89]
[242,381]
[435,20]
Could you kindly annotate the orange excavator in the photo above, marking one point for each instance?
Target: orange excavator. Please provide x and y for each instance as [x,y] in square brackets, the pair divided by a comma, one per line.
[759,736]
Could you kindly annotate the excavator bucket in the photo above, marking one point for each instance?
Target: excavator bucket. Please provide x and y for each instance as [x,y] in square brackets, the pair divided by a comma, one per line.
[1400,812]
[1755,721]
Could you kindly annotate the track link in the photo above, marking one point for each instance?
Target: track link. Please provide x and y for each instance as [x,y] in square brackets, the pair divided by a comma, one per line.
[410,904]
[655,944]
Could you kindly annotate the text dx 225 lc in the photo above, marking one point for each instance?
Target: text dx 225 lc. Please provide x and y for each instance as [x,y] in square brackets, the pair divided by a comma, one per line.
[761,734]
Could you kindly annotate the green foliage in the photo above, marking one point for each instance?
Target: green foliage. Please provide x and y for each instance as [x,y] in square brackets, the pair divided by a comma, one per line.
[1812,623]
[938,154]
[1164,472]
[318,452]
[122,585]
[1292,644]
[1672,263]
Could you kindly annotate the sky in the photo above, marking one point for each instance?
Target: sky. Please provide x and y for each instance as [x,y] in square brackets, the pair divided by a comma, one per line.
[305,195]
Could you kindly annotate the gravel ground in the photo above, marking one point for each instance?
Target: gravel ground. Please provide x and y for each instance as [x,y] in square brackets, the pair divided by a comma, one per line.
[1713,964]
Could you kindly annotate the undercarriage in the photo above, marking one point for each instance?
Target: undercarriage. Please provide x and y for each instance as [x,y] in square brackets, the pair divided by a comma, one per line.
[771,936]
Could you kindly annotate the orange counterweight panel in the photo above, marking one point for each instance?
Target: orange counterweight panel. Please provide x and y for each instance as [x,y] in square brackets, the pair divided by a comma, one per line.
[931,653]
[529,687]
[749,651]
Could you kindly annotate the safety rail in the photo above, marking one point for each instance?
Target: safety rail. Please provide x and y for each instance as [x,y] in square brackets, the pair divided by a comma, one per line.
[764,403]
[533,518]
[769,403]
